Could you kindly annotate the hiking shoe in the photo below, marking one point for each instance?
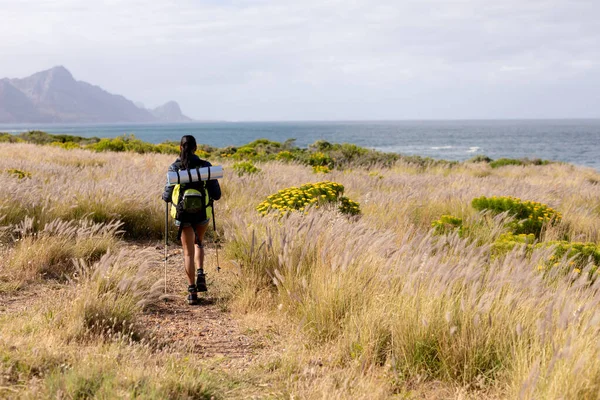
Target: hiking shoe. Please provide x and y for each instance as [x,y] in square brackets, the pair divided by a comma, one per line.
[201,282]
[193,295]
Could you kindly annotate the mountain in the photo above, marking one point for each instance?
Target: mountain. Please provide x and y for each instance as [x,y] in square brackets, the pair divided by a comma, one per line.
[170,112]
[54,96]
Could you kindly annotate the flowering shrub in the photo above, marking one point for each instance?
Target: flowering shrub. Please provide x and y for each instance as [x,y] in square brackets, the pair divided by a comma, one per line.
[284,156]
[320,159]
[306,196]
[447,223]
[66,145]
[321,169]
[348,206]
[245,167]
[530,215]
[579,253]
[245,153]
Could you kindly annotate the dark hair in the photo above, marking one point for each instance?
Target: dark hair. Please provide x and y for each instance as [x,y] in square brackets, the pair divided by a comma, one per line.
[188,147]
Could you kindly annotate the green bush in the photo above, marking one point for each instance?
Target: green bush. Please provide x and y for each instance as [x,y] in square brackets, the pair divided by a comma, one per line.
[579,253]
[306,196]
[131,143]
[320,159]
[245,153]
[245,168]
[348,206]
[480,158]
[8,138]
[66,145]
[501,162]
[448,223]
[285,156]
[531,216]
[321,169]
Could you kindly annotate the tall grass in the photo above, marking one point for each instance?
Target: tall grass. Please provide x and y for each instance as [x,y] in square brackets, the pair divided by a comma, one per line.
[383,303]
[70,185]
[86,341]
[384,292]
[50,252]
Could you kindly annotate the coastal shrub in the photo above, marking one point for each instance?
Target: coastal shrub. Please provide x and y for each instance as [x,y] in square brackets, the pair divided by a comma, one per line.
[480,158]
[116,144]
[227,152]
[285,155]
[126,143]
[19,174]
[8,138]
[245,168]
[501,162]
[306,196]
[447,223]
[578,254]
[530,215]
[320,159]
[66,145]
[348,207]
[321,169]
[320,145]
[170,148]
[245,153]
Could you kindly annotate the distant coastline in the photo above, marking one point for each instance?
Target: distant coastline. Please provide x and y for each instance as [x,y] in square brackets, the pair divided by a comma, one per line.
[569,140]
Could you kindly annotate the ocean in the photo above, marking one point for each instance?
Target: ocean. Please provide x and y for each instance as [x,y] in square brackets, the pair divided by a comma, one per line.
[572,141]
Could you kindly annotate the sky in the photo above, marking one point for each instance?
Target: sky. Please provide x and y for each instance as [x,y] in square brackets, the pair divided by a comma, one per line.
[269,60]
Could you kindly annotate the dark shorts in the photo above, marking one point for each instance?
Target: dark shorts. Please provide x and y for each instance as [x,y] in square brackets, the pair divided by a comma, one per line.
[189,224]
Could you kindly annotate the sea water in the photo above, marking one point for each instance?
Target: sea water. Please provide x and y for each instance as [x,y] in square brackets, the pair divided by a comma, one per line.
[573,141]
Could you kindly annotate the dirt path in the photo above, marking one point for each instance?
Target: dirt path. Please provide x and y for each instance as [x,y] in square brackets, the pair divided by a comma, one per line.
[206,329]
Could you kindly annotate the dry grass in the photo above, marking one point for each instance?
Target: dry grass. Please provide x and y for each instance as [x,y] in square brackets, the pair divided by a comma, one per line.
[50,252]
[367,308]
[383,294]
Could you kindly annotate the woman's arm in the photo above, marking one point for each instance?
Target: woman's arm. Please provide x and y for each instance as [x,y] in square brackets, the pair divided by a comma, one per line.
[214,189]
[168,192]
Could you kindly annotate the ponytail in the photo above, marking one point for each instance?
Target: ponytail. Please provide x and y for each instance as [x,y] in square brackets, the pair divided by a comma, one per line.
[188,148]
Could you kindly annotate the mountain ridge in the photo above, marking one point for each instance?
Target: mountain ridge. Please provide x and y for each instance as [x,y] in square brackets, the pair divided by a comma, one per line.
[54,96]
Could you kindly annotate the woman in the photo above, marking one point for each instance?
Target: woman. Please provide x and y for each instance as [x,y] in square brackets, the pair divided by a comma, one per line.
[192,233]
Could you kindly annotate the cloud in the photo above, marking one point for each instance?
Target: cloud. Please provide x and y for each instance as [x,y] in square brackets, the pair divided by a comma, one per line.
[313,59]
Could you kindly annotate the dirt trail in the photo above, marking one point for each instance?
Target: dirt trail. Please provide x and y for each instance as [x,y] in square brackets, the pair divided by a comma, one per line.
[206,329]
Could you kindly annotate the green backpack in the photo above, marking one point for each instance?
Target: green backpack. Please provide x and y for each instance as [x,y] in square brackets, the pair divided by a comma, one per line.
[190,205]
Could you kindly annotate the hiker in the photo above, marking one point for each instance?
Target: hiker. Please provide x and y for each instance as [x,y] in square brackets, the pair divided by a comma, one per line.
[192,230]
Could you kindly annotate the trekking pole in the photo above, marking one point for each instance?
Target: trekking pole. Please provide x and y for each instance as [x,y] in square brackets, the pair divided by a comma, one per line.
[166,241]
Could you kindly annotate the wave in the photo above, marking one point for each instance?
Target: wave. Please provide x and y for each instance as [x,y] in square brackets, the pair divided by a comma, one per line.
[441,147]
[473,149]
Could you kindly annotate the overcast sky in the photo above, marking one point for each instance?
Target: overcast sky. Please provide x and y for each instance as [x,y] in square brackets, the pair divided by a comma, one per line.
[320,59]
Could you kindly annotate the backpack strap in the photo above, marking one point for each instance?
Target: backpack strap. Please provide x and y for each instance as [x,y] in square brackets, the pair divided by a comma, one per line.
[189,174]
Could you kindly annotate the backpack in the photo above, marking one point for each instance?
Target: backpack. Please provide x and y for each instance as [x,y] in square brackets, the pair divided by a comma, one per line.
[191,205]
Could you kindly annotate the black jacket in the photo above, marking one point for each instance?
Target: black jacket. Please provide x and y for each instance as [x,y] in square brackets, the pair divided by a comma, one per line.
[214,190]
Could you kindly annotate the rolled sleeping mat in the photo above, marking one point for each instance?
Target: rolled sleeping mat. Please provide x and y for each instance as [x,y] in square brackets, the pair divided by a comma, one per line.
[194,175]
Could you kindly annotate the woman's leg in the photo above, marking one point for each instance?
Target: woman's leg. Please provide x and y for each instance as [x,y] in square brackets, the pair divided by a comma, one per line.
[191,251]
[199,253]
[187,241]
